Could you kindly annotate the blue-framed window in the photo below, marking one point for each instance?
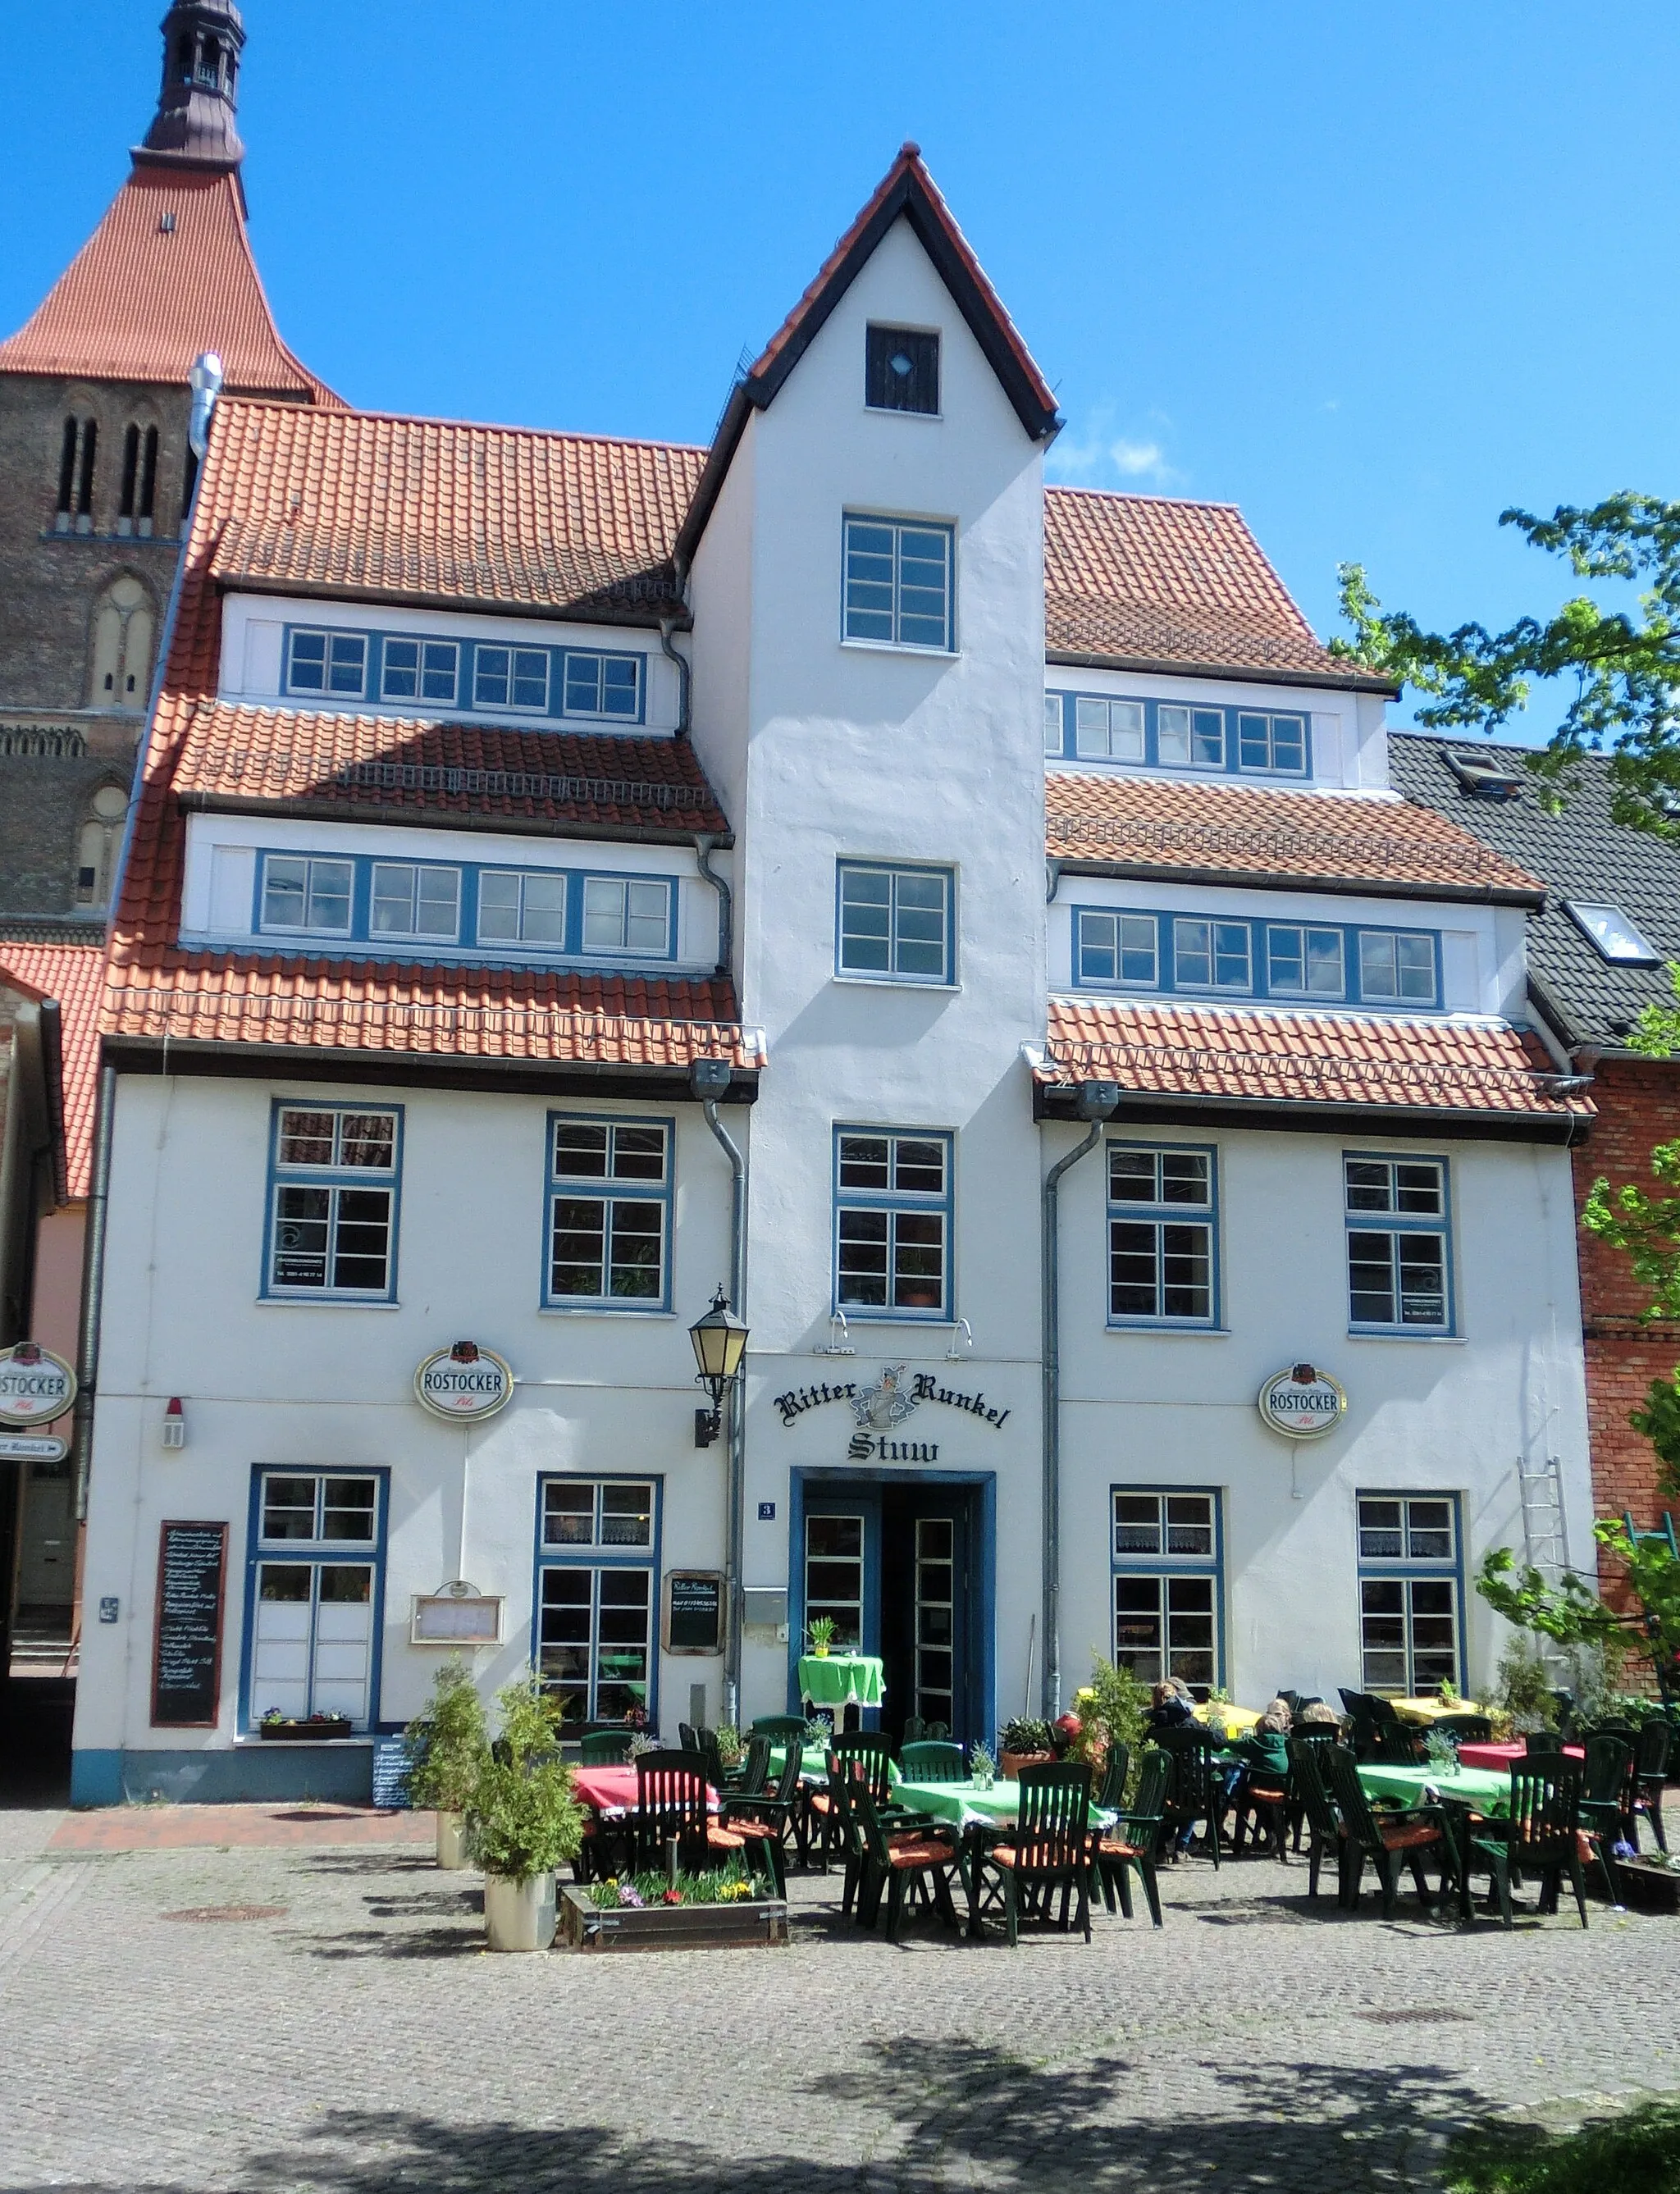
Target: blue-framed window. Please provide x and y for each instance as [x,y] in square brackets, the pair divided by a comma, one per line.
[894,923]
[892,1223]
[1400,1263]
[439,906]
[1163,1235]
[314,1594]
[1209,955]
[1203,737]
[333,663]
[609,1199]
[1411,1592]
[494,676]
[898,583]
[1167,1555]
[334,1172]
[598,1594]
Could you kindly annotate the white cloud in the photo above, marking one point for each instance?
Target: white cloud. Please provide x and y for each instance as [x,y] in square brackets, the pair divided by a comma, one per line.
[1138,460]
[1101,454]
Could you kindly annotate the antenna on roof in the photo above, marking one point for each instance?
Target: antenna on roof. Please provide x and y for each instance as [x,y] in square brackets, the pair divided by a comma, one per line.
[205,382]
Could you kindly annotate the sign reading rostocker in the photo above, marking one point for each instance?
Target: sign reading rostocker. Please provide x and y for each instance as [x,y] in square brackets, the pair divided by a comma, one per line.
[35,1385]
[463,1381]
[1303,1403]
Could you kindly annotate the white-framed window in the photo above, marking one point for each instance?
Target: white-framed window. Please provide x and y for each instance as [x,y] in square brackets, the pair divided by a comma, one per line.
[1167,1557]
[1396,967]
[412,898]
[603,684]
[835,1544]
[597,1595]
[897,585]
[1163,1260]
[328,663]
[1191,738]
[419,670]
[1054,730]
[521,907]
[317,1562]
[1118,948]
[1272,742]
[892,1223]
[511,678]
[1399,1244]
[894,923]
[1303,961]
[627,914]
[1212,955]
[300,892]
[333,1177]
[1409,1592]
[1107,731]
[609,1214]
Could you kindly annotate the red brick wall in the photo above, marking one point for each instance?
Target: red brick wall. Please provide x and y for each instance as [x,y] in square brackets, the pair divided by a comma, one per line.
[1638,1106]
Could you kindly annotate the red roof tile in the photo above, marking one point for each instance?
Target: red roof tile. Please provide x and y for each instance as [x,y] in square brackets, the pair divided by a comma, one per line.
[1146,580]
[447,1013]
[139,303]
[251,758]
[1252,1056]
[1230,833]
[368,505]
[74,975]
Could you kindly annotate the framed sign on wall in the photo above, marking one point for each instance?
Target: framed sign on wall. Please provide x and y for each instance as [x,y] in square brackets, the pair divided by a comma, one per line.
[694,1611]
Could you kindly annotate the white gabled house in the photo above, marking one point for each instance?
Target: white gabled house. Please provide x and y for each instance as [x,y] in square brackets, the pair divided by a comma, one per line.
[550,851]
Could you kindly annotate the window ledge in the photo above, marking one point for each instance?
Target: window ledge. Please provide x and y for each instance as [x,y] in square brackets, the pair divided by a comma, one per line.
[893,411]
[926,1320]
[243,1737]
[322,1302]
[1167,1331]
[896,983]
[1451,1339]
[901,647]
[598,1309]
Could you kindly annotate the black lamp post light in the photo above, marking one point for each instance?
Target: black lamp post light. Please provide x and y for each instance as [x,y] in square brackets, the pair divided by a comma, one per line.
[720,1343]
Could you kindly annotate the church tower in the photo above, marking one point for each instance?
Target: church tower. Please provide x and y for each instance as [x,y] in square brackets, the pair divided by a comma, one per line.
[96,474]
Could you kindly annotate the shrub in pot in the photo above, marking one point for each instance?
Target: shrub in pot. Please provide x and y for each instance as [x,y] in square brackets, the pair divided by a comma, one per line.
[522,1820]
[449,1744]
[1023,1743]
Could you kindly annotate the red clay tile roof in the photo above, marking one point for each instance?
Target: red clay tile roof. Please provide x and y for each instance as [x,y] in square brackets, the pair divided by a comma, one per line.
[367,505]
[251,758]
[1252,833]
[74,975]
[1146,580]
[1247,1055]
[515,1014]
[139,303]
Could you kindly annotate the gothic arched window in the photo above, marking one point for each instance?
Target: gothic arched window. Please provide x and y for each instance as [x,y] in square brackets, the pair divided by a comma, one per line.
[125,629]
[140,480]
[97,846]
[77,450]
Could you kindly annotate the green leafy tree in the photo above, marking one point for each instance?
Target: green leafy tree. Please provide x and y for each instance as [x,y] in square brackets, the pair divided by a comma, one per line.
[523,1820]
[449,1742]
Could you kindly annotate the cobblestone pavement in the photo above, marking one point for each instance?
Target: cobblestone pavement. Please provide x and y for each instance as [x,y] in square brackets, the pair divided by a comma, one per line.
[357,2036]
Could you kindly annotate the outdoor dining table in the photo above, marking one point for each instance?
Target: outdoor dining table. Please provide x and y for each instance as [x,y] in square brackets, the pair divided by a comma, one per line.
[611,1791]
[1427,1710]
[1234,1721]
[1460,1792]
[842,1679]
[813,1764]
[1500,1756]
[976,1813]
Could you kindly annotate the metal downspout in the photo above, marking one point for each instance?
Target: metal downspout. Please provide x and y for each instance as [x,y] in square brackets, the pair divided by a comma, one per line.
[710,1078]
[93,1288]
[705,841]
[1096,1101]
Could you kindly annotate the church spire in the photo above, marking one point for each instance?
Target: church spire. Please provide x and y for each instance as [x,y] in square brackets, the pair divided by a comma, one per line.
[195,117]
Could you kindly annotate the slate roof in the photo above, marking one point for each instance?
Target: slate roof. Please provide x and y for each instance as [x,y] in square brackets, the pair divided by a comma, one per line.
[1258,834]
[1409,1063]
[1143,581]
[399,769]
[139,302]
[1581,854]
[74,975]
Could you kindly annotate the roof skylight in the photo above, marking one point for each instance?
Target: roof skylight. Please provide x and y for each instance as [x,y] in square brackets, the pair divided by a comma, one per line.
[1614,935]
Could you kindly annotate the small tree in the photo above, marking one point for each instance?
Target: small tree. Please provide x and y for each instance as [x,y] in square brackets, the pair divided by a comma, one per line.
[522,1820]
[450,1741]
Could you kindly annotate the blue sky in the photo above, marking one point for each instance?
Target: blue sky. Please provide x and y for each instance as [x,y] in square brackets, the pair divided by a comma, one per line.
[1371,272]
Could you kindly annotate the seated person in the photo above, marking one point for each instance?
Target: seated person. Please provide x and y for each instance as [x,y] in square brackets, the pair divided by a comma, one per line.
[1264,1754]
[1170,1708]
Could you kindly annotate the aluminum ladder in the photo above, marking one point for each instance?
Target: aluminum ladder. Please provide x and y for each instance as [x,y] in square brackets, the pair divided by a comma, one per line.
[1545,1531]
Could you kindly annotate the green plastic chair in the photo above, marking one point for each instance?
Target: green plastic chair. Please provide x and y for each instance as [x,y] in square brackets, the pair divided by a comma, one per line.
[1306,1759]
[753,1773]
[929,1761]
[887,1863]
[1539,1837]
[780,1729]
[766,1818]
[1049,1848]
[1133,1840]
[1650,1773]
[1116,1768]
[1609,1788]
[1389,1840]
[605,1747]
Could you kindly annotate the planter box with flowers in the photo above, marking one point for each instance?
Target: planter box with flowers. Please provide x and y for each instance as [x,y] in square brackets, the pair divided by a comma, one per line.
[281,1729]
[728,1910]
[1652,1882]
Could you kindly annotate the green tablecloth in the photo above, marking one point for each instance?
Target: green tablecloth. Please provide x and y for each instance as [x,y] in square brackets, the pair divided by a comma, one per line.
[963,1804]
[815,1763]
[1480,1787]
[841,1680]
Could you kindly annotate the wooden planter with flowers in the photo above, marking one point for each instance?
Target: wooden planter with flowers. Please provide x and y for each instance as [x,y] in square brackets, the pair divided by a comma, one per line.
[742,1923]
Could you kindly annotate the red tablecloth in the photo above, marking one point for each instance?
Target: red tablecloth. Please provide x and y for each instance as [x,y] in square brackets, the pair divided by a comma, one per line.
[1497,1756]
[613,1789]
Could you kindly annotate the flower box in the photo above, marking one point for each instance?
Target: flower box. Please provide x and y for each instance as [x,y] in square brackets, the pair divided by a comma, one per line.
[743,1925]
[307,1732]
[1646,1883]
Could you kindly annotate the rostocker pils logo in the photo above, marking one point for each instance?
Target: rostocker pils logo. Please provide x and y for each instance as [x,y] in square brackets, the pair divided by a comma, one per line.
[887,1403]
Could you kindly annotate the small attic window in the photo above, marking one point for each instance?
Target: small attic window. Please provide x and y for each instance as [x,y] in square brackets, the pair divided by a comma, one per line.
[1484,779]
[901,370]
[1614,935]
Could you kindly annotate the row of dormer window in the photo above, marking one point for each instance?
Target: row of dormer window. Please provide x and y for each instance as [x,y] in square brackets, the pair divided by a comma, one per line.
[1328,963]
[437,673]
[1175,735]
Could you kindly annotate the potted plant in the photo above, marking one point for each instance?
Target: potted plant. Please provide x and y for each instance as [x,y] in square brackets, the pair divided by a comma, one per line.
[982,1767]
[820,1632]
[298,1728]
[449,1744]
[1025,1742]
[522,1821]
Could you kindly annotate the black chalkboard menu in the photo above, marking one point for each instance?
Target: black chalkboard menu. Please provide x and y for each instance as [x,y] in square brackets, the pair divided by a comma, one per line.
[694,1611]
[187,1654]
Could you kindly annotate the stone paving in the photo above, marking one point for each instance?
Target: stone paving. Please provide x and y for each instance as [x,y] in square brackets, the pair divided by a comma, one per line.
[355,2035]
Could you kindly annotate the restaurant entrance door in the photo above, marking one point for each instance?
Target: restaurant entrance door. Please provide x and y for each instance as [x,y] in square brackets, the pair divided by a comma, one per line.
[900,1562]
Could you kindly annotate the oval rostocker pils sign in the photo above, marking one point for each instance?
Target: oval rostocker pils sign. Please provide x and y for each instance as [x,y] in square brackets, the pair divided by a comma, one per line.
[35,1385]
[1303,1403]
[463,1381]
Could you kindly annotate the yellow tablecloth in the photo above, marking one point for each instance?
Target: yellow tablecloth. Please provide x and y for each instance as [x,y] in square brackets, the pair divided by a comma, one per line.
[1235,1721]
[1425,1711]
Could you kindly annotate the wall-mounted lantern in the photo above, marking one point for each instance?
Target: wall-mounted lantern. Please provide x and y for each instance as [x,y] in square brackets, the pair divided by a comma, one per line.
[720,1343]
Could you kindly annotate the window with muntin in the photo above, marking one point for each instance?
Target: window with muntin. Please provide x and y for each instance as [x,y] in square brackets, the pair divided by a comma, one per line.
[332,1215]
[1399,1265]
[892,1224]
[897,583]
[609,1214]
[1167,1560]
[1162,1250]
[896,922]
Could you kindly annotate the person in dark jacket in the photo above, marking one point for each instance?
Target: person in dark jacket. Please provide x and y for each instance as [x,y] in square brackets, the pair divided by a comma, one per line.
[1168,1710]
